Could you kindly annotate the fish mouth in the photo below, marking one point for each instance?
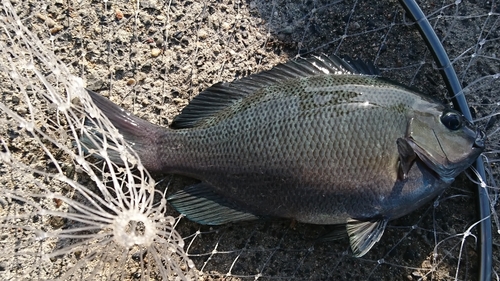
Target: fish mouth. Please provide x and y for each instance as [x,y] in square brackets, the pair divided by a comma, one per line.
[479,142]
[436,165]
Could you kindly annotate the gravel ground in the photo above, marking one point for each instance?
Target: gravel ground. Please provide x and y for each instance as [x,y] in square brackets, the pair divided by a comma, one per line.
[153,57]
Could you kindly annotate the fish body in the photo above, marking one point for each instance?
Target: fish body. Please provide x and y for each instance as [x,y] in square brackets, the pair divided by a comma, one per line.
[319,140]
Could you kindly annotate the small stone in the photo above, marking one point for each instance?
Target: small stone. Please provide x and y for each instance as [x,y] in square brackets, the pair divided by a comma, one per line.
[226,25]
[155,52]
[202,34]
[355,25]
[78,254]
[416,274]
[21,110]
[148,4]
[50,22]
[57,202]
[131,82]
[57,222]
[178,35]
[123,36]
[140,76]
[15,100]
[91,46]
[159,42]
[179,101]
[56,29]
[287,30]
[118,14]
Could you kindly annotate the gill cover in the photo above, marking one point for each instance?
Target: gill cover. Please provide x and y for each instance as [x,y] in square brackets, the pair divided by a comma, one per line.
[444,140]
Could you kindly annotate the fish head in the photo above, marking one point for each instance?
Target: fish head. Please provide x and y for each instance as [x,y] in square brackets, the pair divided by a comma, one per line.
[444,140]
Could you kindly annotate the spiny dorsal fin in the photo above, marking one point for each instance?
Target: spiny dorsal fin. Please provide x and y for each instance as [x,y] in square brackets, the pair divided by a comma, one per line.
[222,95]
[364,234]
[201,204]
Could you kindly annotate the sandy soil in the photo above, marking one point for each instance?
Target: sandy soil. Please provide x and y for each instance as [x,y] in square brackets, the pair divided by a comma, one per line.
[152,59]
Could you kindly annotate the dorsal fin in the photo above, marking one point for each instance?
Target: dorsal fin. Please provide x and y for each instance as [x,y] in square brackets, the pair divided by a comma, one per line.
[221,95]
[361,67]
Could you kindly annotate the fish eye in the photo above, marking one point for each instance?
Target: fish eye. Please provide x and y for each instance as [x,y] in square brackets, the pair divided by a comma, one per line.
[452,120]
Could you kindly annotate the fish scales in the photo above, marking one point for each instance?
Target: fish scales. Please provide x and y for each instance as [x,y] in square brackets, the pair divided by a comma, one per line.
[315,141]
[292,136]
[286,136]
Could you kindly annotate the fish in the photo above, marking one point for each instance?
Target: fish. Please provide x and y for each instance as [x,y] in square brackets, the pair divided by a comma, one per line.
[322,140]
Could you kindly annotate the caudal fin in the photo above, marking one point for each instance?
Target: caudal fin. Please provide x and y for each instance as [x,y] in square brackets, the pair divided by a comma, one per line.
[143,136]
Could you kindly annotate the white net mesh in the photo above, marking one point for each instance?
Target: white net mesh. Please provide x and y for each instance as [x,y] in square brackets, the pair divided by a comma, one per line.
[70,216]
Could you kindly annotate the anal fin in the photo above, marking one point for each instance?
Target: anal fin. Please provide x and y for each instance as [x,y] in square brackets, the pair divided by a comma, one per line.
[364,234]
[201,204]
[336,232]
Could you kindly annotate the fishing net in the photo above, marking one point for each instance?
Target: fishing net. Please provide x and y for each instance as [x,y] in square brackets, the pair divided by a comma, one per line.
[67,212]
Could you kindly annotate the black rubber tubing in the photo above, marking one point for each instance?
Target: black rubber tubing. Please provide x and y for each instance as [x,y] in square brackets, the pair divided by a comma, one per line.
[454,87]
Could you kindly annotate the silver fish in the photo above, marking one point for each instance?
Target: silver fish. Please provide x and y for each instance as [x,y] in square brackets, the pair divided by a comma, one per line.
[319,140]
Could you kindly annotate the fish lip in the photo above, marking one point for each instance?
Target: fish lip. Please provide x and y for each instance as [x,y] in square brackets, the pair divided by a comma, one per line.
[479,142]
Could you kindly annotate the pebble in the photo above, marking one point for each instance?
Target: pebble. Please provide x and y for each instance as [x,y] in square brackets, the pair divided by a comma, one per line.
[118,14]
[355,25]
[202,34]
[57,222]
[416,274]
[131,82]
[56,29]
[226,25]
[287,30]
[141,76]
[123,36]
[148,4]
[50,22]
[21,110]
[155,52]
[179,101]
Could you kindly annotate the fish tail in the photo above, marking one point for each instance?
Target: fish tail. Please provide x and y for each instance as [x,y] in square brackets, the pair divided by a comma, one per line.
[141,135]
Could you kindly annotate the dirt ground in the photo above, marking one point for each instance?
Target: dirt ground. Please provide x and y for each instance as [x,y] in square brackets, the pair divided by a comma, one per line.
[152,57]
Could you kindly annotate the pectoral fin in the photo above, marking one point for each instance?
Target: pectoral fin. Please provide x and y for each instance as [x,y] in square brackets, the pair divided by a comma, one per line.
[201,204]
[364,234]
[406,157]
